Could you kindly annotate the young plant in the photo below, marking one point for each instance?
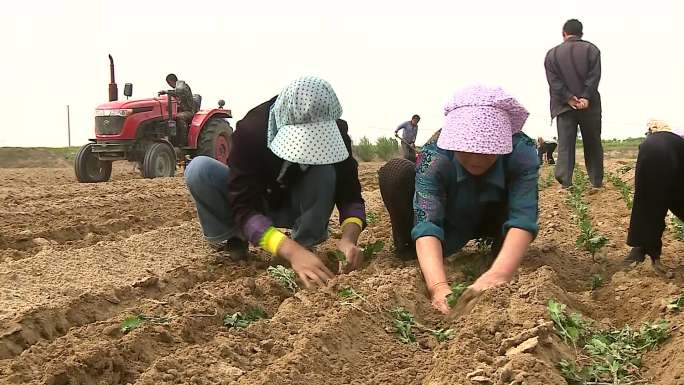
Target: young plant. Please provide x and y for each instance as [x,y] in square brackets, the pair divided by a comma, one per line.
[676,304]
[350,294]
[457,288]
[403,323]
[678,227]
[241,320]
[569,327]
[133,322]
[623,188]
[484,245]
[339,256]
[443,335]
[597,281]
[284,276]
[371,249]
[371,217]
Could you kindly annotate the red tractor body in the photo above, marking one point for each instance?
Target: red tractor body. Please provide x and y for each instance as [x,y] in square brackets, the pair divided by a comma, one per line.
[145,131]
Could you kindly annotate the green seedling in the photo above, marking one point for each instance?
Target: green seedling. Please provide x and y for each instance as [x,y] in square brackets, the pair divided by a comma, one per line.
[284,276]
[133,322]
[371,217]
[241,320]
[569,327]
[371,249]
[597,281]
[443,335]
[484,245]
[548,180]
[676,304]
[623,188]
[610,357]
[403,323]
[457,288]
[349,293]
[339,256]
[678,226]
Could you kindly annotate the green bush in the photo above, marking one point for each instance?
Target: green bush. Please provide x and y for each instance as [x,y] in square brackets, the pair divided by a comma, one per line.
[386,148]
[365,150]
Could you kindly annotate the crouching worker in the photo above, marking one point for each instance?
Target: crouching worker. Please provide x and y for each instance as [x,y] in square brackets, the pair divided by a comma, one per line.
[476,178]
[658,187]
[290,164]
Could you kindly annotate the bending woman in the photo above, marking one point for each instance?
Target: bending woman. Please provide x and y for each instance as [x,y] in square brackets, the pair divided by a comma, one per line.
[476,178]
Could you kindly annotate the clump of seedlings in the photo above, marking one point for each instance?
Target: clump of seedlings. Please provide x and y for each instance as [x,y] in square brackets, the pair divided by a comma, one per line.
[371,249]
[548,179]
[133,322]
[284,276]
[457,288]
[604,356]
[624,189]
[597,281]
[404,322]
[676,304]
[678,227]
[241,320]
[589,239]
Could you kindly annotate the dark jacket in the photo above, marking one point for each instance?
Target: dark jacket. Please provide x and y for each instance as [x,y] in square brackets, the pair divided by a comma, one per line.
[573,68]
[252,184]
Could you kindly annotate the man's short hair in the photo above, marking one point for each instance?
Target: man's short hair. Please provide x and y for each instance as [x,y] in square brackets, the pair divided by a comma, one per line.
[573,27]
[171,78]
[415,117]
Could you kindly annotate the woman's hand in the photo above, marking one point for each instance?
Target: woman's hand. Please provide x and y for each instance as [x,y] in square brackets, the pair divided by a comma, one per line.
[490,279]
[439,296]
[306,264]
[353,253]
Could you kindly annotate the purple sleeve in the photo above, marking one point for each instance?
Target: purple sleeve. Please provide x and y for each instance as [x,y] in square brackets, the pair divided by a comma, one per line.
[352,209]
[255,227]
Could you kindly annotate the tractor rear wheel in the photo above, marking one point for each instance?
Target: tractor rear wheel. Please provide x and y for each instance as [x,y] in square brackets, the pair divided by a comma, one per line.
[215,140]
[90,169]
[160,161]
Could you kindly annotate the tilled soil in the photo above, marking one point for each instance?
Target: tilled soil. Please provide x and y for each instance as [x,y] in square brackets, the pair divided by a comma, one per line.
[78,259]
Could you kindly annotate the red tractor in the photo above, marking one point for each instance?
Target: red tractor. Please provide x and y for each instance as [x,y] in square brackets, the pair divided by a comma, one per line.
[145,131]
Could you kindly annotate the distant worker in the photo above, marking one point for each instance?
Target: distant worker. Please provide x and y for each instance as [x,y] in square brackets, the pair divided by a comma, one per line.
[408,137]
[546,146]
[658,187]
[186,107]
[573,70]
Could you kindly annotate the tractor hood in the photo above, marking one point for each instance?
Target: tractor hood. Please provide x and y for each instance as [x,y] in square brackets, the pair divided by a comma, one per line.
[132,103]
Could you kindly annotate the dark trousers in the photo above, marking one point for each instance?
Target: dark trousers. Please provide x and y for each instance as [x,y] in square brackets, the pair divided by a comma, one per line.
[397,187]
[658,187]
[408,152]
[183,120]
[589,122]
[547,149]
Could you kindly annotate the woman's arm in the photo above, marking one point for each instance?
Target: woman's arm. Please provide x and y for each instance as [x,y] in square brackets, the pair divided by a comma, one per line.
[431,260]
[515,244]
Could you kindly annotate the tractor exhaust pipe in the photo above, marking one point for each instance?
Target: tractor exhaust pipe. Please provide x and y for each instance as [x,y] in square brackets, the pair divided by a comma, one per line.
[113,89]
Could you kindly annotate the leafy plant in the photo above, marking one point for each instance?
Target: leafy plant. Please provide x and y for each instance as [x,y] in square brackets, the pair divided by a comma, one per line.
[350,293]
[443,335]
[386,148]
[548,180]
[372,248]
[597,281]
[484,245]
[612,356]
[371,217]
[676,304]
[339,256]
[457,288]
[589,239]
[624,189]
[133,322]
[403,323]
[241,320]
[284,276]
[365,150]
[678,227]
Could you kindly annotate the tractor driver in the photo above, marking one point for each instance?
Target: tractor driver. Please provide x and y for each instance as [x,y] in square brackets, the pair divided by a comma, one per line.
[186,107]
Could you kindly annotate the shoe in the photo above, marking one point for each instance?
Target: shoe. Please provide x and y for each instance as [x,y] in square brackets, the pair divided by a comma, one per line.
[235,248]
[636,255]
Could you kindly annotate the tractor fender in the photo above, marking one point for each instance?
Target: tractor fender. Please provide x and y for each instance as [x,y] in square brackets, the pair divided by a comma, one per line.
[200,119]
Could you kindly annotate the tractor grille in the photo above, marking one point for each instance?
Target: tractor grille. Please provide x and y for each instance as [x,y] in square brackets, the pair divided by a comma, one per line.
[108,125]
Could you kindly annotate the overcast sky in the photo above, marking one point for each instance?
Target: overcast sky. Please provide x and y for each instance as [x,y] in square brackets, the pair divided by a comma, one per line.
[386,59]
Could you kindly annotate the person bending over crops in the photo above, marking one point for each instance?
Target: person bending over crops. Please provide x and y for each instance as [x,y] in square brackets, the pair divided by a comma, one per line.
[476,178]
[658,187]
[290,164]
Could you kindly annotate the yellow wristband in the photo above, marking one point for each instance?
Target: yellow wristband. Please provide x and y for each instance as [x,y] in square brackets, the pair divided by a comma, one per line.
[271,240]
[355,220]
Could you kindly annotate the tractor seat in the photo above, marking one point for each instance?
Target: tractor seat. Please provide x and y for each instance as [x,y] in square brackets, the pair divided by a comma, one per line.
[197,99]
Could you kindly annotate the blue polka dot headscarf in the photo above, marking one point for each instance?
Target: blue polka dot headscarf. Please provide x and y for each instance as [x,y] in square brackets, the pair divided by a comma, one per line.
[302,125]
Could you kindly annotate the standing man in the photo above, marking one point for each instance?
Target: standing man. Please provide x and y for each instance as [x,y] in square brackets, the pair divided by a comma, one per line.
[408,139]
[186,107]
[573,70]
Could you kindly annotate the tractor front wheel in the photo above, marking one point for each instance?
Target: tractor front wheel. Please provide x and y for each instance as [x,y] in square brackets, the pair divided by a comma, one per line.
[89,168]
[214,140]
[159,161]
